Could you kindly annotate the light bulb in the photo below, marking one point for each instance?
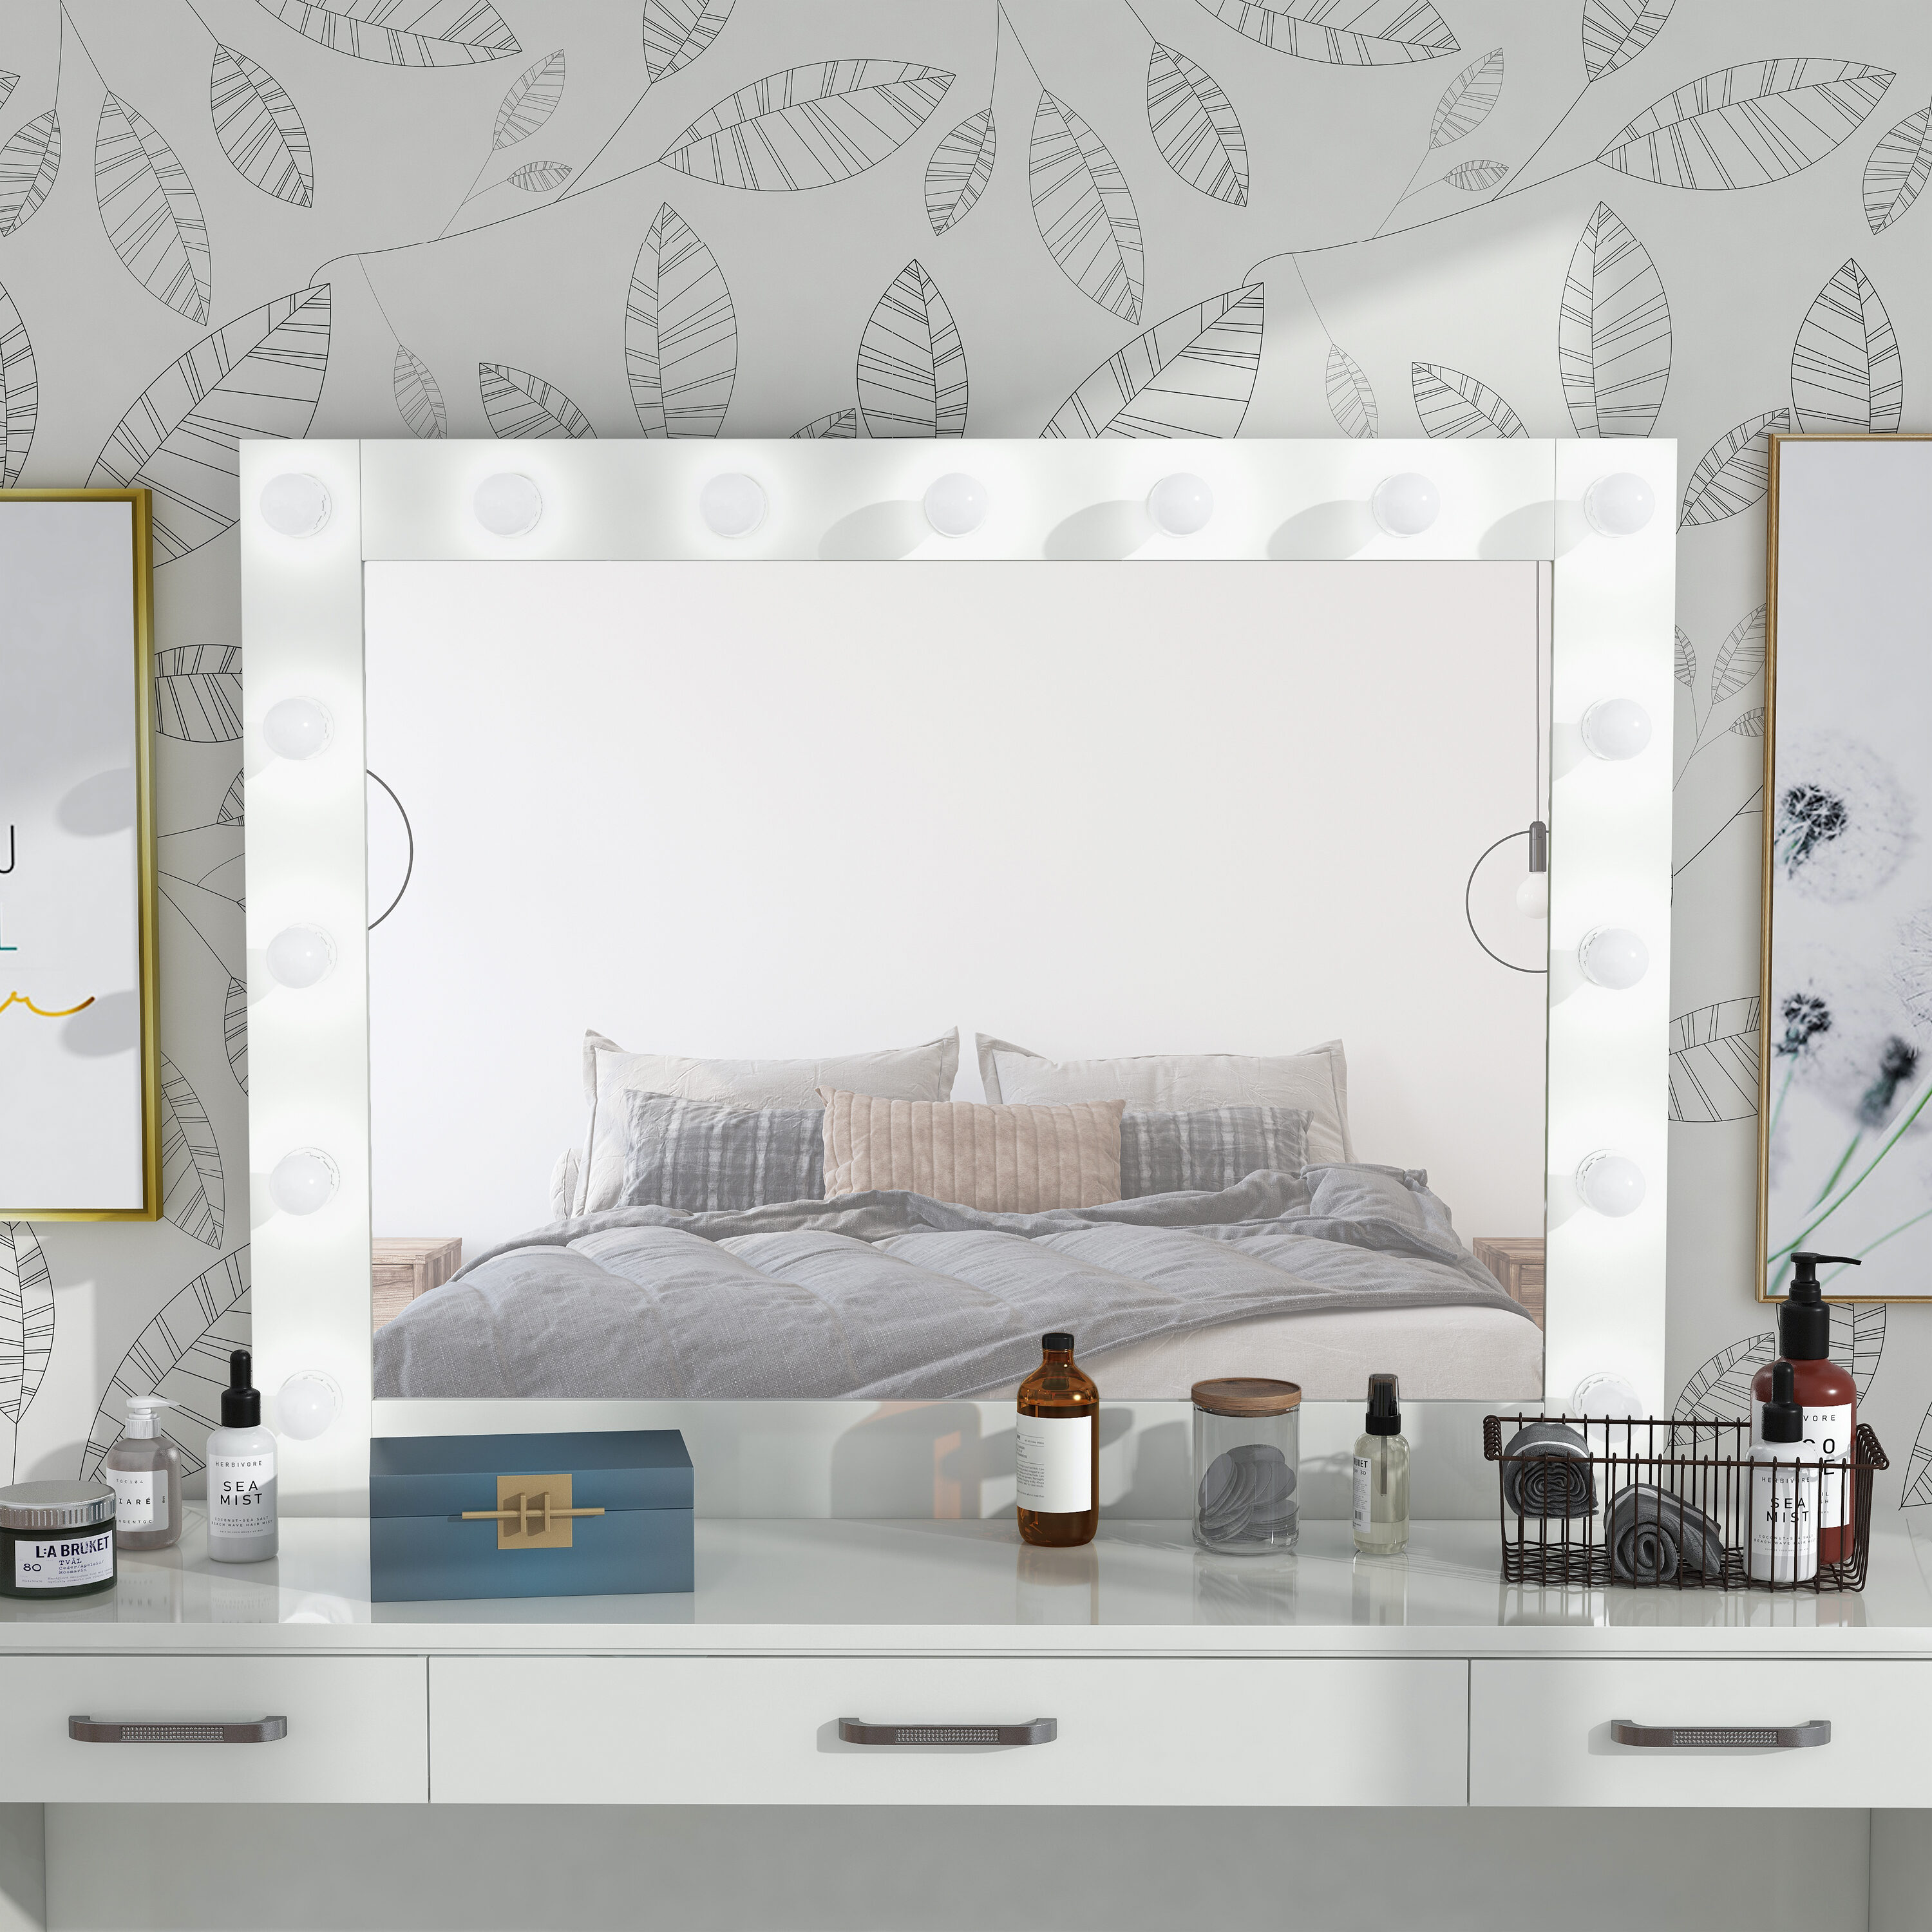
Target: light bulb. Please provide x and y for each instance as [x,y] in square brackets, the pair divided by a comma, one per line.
[1532,896]
[1605,1394]
[956,504]
[298,727]
[1619,505]
[307,1403]
[732,505]
[1179,506]
[303,1180]
[1406,506]
[1612,955]
[508,504]
[1612,1183]
[1615,727]
[299,955]
[295,504]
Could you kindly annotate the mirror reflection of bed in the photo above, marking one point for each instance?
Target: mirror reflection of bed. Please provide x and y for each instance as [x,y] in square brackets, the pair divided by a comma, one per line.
[720,903]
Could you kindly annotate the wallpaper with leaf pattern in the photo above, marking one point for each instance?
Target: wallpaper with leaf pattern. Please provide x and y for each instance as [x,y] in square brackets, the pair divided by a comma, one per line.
[219,218]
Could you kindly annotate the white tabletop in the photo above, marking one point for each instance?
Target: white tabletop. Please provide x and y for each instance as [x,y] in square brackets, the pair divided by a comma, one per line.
[820,1587]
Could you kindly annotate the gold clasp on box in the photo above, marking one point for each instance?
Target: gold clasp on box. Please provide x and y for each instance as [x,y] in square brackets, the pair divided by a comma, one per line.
[531,1513]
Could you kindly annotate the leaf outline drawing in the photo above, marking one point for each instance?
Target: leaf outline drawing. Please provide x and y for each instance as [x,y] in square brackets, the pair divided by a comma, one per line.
[192,1193]
[539,177]
[26,1317]
[29,164]
[1193,375]
[808,127]
[522,405]
[419,400]
[1734,473]
[1684,667]
[1467,100]
[1372,33]
[1616,32]
[260,128]
[960,168]
[838,425]
[1714,1063]
[1196,128]
[8,82]
[1845,373]
[1746,126]
[680,332]
[19,392]
[1452,404]
[1351,401]
[912,364]
[676,31]
[150,210]
[1740,657]
[529,101]
[1083,209]
[430,33]
[1896,169]
[1613,337]
[234,1030]
[1473,177]
[198,693]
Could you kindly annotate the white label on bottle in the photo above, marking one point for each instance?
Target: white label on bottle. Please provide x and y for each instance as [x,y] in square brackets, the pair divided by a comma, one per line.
[1828,1439]
[241,1494]
[1362,1469]
[1783,1521]
[1053,1463]
[140,1498]
[63,1562]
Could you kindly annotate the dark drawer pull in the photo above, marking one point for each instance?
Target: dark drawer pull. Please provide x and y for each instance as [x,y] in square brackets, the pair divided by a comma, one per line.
[1722,1737]
[1041,1731]
[99,1731]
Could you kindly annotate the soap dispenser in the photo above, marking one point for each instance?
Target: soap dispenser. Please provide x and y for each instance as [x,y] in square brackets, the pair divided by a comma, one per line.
[144,1469]
[1783,1489]
[1825,1392]
[241,1473]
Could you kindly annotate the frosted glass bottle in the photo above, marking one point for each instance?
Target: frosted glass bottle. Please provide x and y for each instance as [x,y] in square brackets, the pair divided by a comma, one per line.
[1381,1474]
[145,1470]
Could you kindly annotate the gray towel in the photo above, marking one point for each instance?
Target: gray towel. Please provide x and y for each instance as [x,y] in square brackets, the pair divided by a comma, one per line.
[1654,1535]
[1554,1479]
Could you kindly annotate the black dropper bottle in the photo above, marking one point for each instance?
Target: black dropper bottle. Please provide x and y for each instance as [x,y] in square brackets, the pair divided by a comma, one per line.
[241,1400]
[1783,1546]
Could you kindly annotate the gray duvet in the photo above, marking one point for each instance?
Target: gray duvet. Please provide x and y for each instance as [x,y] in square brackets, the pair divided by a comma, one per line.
[895,1295]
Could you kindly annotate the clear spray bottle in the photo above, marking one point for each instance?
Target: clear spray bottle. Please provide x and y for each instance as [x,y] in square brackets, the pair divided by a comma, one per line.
[1381,1473]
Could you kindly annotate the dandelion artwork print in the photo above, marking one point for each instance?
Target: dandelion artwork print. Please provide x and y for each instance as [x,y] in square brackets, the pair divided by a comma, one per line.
[1845,1128]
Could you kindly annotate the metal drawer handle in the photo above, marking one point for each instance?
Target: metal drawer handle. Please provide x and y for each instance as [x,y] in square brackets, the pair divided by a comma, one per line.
[100,1731]
[1722,1737]
[1041,1731]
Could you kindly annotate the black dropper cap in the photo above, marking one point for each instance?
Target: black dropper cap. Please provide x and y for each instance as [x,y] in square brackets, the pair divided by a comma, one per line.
[1804,1323]
[1059,1340]
[1384,1407]
[240,1401]
[1783,1416]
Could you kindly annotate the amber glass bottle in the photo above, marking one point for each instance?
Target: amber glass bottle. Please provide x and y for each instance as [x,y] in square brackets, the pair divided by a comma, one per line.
[1058,1460]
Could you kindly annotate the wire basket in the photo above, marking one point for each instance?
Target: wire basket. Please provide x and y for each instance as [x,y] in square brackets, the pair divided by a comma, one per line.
[1664,1505]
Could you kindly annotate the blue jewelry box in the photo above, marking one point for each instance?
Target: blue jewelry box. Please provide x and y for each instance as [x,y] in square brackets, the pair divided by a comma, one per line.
[591,1513]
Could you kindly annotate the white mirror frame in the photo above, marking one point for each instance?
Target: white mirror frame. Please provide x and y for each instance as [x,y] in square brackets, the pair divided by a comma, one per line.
[1614,613]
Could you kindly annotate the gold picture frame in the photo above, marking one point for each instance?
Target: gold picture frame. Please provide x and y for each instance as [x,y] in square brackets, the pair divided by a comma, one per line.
[148,942]
[1765,1102]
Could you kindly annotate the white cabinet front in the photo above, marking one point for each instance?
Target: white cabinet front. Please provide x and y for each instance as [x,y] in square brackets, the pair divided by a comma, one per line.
[1127,1731]
[1748,1733]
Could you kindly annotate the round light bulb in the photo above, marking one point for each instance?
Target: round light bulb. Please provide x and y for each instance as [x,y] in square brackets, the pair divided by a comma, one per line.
[295,504]
[307,1403]
[1406,506]
[298,727]
[1619,506]
[1532,896]
[1612,1183]
[303,1180]
[1615,727]
[299,955]
[1613,956]
[956,504]
[732,505]
[1605,1394]
[508,504]
[1179,506]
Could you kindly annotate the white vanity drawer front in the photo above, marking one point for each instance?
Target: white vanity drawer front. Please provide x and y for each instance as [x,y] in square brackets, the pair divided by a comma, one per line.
[1540,1732]
[357,1729]
[765,1731]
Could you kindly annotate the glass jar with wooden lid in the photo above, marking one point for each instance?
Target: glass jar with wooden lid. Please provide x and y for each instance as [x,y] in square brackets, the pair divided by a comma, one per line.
[1247,1457]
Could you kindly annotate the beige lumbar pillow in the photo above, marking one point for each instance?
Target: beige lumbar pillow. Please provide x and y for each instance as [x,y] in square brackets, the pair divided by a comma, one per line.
[1008,1160]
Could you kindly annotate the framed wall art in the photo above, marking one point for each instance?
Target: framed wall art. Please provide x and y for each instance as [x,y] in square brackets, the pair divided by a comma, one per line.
[80,1060]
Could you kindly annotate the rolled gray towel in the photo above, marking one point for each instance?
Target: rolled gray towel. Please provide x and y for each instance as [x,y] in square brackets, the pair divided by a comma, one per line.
[1654,1535]
[1554,1477]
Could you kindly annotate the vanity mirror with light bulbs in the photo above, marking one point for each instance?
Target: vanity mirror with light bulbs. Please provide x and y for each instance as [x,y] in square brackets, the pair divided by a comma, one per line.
[1322,784]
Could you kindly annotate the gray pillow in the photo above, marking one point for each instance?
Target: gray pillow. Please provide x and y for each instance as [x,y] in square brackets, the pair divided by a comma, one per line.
[700,1155]
[1206,1149]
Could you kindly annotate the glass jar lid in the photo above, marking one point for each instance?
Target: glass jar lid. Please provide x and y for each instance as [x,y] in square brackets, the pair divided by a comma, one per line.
[1247,1395]
[31,1506]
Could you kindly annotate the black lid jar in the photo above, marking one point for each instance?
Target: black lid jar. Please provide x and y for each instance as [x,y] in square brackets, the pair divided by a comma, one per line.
[56,1540]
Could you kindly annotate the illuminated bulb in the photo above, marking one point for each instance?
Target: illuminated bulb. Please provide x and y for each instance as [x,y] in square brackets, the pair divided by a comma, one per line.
[956,504]
[1611,1183]
[1180,505]
[1406,506]
[298,727]
[306,1404]
[1532,896]
[1605,1394]
[299,955]
[508,504]
[732,505]
[1619,505]
[295,505]
[303,1181]
[1616,727]
[1613,956]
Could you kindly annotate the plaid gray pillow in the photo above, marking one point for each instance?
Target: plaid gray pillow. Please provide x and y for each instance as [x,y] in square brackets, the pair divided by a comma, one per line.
[1208,1148]
[700,1155]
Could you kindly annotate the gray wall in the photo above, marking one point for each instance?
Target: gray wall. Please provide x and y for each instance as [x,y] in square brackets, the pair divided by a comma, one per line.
[1711,290]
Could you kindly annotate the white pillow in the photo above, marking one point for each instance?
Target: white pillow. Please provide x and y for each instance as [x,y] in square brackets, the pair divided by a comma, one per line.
[1316,1079]
[906,1073]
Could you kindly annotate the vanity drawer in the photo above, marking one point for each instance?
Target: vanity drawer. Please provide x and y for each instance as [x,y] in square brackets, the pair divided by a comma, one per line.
[357,1729]
[765,1731]
[1540,1732]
